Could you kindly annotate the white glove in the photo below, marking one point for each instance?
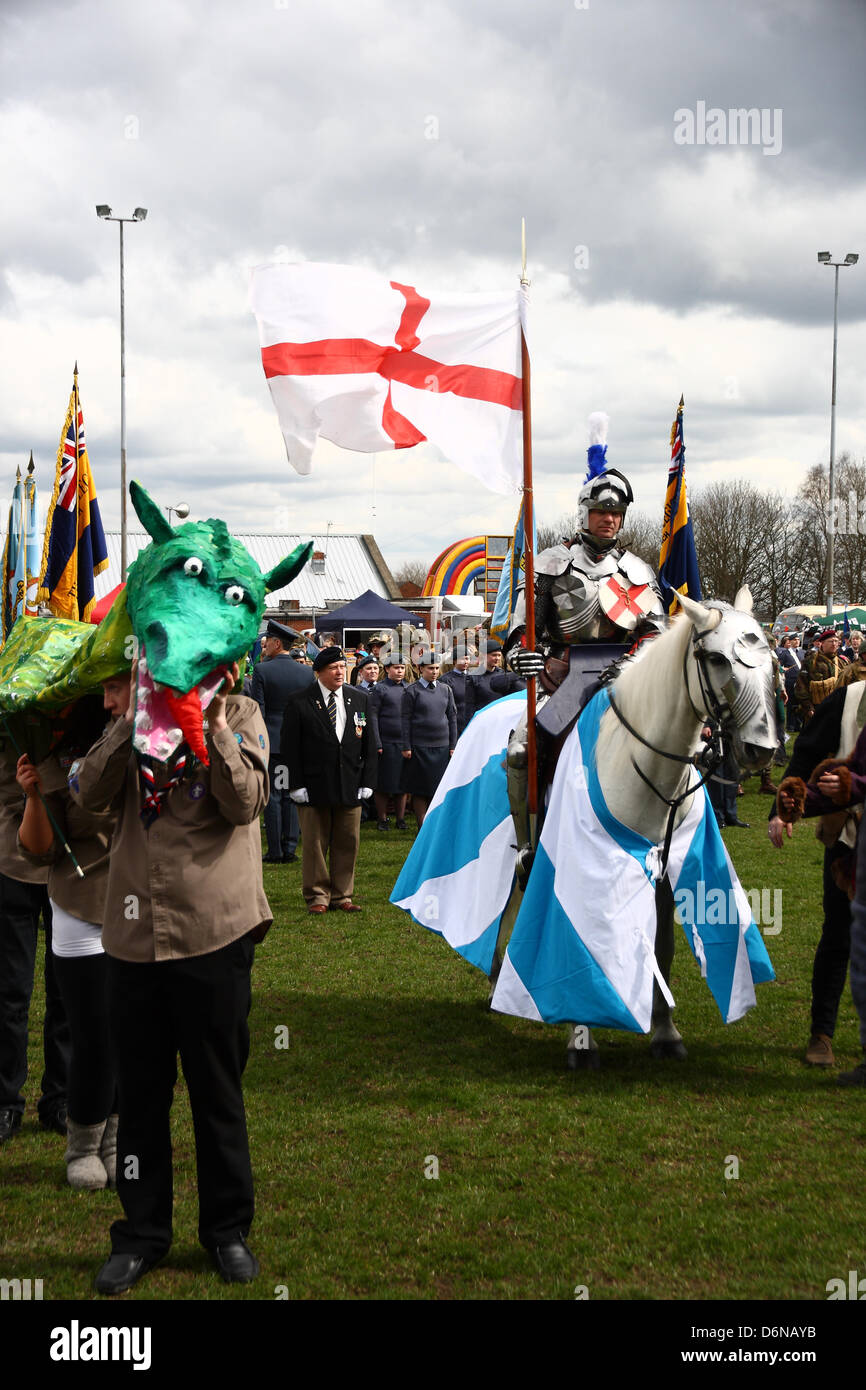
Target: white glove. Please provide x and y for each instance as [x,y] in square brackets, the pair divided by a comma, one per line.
[365,793]
[527,663]
[301,797]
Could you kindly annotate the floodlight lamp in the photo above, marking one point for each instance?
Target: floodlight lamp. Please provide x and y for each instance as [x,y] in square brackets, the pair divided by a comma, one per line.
[824,256]
[103,210]
[140,214]
[852,258]
[181,510]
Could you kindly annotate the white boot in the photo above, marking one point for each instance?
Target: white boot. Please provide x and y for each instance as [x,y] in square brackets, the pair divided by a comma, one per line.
[84,1167]
[108,1150]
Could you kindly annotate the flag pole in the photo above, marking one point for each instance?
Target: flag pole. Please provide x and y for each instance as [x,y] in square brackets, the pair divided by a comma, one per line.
[528,556]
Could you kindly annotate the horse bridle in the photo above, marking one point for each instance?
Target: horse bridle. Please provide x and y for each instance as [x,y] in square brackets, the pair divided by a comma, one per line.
[719,711]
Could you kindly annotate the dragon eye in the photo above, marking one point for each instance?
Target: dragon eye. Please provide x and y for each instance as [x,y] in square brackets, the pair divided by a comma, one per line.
[193,565]
[234,594]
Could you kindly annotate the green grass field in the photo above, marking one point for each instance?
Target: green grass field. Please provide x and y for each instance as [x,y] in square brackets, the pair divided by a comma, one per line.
[546,1180]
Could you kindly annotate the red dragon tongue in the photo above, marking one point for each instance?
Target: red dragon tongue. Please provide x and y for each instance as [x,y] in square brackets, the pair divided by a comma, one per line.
[186,709]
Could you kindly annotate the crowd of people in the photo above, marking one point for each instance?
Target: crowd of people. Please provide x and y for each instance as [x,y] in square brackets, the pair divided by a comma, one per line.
[148,885]
[146,880]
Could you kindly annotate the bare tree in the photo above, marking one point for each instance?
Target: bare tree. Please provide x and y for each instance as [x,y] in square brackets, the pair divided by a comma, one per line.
[728,520]
[849,518]
[561,530]
[412,572]
[811,507]
[775,578]
[642,535]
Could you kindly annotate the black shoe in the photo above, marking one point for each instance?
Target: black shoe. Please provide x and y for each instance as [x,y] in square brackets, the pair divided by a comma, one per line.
[857,1077]
[401,825]
[235,1262]
[55,1120]
[742,824]
[290,859]
[10,1122]
[121,1272]
[382,825]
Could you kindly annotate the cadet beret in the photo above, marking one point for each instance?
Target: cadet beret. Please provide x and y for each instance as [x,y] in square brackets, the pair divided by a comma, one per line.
[327,656]
[828,632]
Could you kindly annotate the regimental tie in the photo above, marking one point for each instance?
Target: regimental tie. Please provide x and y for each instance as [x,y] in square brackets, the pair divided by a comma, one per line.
[332,711]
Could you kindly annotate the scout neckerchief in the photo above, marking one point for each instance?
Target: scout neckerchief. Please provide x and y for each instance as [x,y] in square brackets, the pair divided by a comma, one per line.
[153,797]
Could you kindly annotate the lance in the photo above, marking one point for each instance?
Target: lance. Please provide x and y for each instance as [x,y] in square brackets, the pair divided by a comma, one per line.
[528,531]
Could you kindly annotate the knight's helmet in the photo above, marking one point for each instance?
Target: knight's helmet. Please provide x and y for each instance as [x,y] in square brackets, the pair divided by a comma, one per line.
[604,489]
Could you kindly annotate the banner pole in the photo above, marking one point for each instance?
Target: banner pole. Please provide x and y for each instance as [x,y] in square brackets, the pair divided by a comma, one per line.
[528,555]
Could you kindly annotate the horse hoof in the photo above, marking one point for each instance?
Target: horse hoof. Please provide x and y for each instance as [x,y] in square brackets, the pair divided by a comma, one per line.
[583,1059]
[669,1047]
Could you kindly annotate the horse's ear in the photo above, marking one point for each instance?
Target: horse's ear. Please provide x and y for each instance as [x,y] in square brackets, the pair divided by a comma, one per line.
[697,614]
[285,571]
[744,603]
[155,524]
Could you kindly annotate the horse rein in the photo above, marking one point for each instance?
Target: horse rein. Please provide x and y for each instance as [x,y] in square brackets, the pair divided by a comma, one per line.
[710,757]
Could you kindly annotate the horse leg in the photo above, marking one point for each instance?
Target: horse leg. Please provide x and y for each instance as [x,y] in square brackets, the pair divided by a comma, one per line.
[582,1052]
[666,1040]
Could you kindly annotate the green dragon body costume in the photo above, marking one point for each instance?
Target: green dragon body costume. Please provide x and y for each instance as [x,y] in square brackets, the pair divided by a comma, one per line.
[191,607]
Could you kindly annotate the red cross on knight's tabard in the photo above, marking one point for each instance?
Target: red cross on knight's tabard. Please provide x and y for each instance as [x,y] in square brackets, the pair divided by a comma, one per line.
[625,602]
[345,356]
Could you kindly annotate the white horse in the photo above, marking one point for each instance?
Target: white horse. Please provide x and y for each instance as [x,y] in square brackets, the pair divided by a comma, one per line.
[713,663]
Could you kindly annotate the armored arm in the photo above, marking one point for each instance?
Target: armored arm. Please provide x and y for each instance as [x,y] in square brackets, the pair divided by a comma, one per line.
[516,655]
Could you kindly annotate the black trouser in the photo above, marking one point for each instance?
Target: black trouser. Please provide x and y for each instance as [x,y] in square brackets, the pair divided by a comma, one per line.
[198,1007]
[82,981]
[281,814]
[722,789]
[831,957]
[20,906]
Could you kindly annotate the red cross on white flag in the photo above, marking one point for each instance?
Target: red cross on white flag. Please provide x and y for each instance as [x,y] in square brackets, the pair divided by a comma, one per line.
[371,364]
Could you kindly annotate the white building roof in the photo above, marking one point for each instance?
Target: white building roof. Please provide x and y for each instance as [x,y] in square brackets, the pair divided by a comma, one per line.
[353,564]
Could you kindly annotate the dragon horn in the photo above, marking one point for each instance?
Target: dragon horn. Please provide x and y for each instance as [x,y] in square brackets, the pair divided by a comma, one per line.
[151,518]
[285,571]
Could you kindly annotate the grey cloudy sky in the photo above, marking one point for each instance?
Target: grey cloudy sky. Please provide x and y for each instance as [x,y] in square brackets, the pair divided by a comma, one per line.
[411,139]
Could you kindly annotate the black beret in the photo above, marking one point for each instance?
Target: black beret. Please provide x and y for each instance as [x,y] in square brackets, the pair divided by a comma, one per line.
[327,656]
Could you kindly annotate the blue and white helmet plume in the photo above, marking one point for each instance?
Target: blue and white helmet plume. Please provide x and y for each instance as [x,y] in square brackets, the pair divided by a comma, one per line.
[596,454]
[604,489]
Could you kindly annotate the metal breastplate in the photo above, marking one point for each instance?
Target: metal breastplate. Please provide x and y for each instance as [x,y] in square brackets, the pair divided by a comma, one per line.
[576,614]
[579,610]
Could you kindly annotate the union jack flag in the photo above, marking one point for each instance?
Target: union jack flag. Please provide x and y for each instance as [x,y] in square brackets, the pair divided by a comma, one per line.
[678,560]
[75,550]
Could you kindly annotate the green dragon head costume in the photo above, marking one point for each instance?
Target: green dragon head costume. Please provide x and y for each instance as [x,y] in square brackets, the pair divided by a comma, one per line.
[193,603]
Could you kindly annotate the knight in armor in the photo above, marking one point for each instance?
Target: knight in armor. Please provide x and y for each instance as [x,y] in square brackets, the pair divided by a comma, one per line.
[594,604]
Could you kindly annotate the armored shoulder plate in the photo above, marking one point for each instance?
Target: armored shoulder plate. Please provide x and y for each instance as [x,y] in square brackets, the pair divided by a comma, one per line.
[635,569]
[555,560]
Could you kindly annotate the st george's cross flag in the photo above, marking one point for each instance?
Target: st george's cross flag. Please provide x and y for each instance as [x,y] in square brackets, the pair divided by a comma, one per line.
[372,365]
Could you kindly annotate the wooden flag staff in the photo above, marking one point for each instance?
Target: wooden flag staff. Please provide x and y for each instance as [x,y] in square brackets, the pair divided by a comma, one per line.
[528,555]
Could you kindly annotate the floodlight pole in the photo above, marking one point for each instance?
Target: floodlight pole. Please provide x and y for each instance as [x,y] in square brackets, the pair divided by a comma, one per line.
[138,216]
[850,259]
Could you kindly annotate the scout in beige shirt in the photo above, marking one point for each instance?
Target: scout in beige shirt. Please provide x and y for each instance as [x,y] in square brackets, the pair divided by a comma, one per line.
[184,904]
[75,845]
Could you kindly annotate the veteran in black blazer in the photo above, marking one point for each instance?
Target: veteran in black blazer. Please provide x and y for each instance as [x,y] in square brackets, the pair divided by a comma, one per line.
[328,749]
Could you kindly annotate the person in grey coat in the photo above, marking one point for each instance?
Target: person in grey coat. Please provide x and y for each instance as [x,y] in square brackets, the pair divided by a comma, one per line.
[462,688]
[277,677]
[429,732]
[386,731]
